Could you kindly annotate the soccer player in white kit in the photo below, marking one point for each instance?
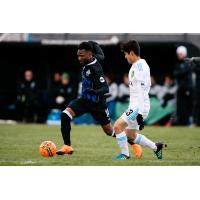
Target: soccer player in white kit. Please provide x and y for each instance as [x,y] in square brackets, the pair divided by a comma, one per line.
[132,119]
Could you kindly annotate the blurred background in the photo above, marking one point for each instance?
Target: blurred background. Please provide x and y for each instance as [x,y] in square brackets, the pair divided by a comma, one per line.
[40,74]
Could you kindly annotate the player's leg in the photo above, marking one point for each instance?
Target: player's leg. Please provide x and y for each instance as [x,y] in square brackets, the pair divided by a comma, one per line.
[134,136]
[137,149]
[122,139]
[102,116]
[108,129]
[75,108]
[66,117]
[144,141]
[120,130]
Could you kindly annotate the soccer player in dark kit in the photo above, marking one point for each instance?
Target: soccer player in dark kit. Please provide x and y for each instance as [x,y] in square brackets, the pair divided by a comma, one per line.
[93,99]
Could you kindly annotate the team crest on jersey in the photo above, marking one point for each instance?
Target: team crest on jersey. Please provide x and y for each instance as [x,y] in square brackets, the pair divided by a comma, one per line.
[102,79]
[88,72]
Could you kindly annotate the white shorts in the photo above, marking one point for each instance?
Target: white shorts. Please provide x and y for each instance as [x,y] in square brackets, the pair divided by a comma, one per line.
[129,116]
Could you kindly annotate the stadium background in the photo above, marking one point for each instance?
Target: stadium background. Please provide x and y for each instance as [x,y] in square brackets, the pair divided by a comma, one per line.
[48,53]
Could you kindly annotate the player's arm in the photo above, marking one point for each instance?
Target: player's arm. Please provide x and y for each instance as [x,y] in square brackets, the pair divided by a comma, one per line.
[101,90]
[100,84]
[139,118]
[97,51]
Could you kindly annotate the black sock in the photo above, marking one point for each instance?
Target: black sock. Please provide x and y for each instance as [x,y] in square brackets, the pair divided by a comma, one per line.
[130,142]
[66,128]
[113,135]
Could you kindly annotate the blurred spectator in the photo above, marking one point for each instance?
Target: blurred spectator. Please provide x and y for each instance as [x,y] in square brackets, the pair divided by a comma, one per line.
[61,93]
[123,94]
[183,76]
[112,96]
[155,89]
[168,91]
[168,100]
[54,89]
[56,79]
[197,94]
[28,104]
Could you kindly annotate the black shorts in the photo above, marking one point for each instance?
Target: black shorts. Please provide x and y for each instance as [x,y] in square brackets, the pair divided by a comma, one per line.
[99,111]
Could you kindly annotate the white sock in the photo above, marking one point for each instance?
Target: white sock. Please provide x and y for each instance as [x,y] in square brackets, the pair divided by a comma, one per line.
[122,142]
[113,133]
[142,140]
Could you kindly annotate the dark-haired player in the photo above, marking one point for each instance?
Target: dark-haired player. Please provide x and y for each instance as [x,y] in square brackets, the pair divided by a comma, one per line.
[132,119]
[93,99]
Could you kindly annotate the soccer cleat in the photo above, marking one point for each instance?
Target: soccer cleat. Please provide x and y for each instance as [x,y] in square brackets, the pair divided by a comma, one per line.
[137,149]
[158,152]
[65,150]
[121,157]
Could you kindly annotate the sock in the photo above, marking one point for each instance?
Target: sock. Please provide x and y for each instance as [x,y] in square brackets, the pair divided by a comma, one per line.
[122,142]
[66,127]
[144,141]
[113,133]
[130,142]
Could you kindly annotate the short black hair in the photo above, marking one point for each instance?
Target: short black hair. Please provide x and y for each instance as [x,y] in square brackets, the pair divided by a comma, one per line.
[131,45]
[86,46]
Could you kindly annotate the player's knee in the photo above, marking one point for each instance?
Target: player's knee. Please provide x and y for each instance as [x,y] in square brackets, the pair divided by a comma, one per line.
[65,118]
[117,127]
[120,126]
[131,134]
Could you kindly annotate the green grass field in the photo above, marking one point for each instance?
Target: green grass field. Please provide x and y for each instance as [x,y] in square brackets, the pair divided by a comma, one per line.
[20,144]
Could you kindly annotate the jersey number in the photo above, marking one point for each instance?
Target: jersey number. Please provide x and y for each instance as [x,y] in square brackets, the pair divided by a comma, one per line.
[129,112]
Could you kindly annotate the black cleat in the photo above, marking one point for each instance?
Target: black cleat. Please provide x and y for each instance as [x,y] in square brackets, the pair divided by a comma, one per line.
[158,152]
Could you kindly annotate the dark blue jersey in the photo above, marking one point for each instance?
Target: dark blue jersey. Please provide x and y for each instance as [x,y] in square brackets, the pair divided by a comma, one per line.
[94,86]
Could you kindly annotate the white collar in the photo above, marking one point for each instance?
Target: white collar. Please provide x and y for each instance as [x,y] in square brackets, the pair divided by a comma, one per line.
[94,61]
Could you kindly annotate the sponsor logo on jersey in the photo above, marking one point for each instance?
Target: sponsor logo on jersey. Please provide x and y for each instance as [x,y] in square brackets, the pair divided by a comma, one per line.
[132,83]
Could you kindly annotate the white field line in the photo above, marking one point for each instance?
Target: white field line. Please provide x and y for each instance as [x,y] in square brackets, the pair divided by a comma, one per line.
[18,162]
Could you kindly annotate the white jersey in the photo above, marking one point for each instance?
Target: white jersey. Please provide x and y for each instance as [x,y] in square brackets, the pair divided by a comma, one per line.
[139,84]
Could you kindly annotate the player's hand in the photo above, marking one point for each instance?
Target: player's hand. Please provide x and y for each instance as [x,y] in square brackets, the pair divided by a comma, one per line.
[140,121]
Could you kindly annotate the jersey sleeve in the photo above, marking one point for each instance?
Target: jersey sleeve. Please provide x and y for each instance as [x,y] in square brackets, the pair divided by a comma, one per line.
[100,85]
